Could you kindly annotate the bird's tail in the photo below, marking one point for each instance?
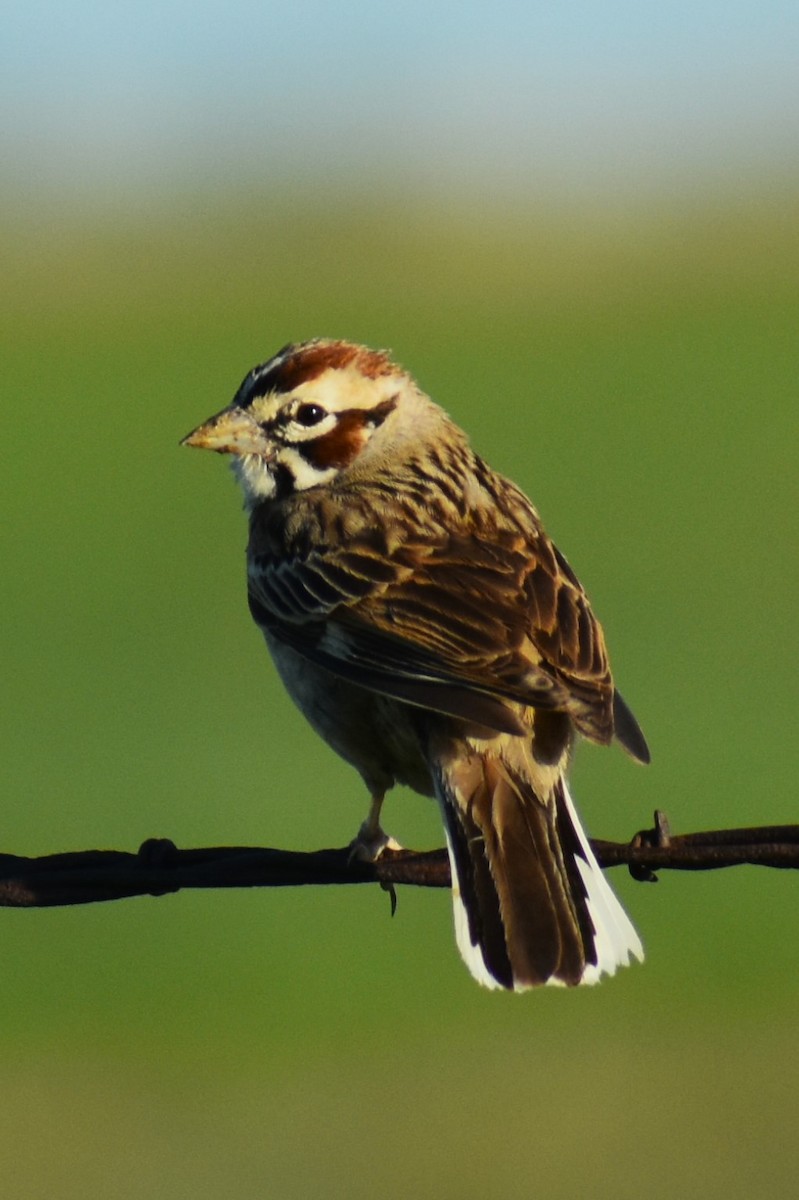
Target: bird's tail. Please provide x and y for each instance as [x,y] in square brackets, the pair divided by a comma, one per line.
[531,903]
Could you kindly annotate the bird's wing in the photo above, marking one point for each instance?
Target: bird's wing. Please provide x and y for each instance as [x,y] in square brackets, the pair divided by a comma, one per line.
[457,623]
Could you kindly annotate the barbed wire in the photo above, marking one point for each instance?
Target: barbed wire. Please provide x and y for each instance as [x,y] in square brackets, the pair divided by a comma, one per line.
[159,867]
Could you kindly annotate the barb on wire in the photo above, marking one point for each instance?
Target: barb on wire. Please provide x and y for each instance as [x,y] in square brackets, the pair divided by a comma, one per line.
[159,867]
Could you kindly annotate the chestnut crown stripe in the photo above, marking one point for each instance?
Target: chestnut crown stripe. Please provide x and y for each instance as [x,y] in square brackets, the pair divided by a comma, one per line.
[298,363]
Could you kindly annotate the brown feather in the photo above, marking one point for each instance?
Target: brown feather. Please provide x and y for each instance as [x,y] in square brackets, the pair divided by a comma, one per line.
[534,914]
[300,363]
[495,608]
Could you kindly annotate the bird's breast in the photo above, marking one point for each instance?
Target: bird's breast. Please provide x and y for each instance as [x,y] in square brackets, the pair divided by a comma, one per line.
[374,733]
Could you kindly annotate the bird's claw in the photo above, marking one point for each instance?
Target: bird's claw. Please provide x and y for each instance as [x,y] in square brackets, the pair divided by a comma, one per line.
[370,842]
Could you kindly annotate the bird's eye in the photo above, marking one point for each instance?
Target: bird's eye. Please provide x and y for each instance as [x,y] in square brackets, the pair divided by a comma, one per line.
[310,414]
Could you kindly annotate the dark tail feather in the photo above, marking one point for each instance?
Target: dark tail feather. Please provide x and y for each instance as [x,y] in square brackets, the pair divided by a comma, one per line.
[531,904]
[628,731]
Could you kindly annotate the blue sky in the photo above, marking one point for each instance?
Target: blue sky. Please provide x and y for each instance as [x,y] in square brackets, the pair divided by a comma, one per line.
[107,95]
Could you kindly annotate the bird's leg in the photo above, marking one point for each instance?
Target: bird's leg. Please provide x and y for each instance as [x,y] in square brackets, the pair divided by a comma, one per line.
[371,841]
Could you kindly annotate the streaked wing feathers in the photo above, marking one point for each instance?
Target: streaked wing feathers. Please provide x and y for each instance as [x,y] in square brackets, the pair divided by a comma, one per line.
[460,624]
[394,675]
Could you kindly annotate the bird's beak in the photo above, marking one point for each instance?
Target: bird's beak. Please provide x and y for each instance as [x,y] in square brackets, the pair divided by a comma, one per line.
[232,431]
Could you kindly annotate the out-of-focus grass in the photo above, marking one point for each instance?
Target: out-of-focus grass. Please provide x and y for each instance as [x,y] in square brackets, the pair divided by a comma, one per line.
[490,1116]
[638,378]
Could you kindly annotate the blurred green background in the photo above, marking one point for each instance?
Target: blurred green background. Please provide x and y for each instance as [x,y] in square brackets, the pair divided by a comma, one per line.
[631,362]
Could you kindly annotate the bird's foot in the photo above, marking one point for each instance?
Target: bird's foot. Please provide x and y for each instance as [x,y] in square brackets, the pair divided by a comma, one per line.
[370,842]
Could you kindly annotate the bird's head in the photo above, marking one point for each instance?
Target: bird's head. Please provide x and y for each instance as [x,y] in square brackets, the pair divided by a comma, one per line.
[314,410]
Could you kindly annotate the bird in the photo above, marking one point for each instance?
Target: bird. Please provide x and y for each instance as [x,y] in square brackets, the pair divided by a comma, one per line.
[433,635]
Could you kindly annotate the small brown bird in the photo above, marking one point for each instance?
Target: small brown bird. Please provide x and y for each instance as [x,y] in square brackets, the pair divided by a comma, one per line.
[433,635]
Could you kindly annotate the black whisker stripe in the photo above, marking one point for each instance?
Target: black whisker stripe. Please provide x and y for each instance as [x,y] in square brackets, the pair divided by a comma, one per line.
[285,483]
